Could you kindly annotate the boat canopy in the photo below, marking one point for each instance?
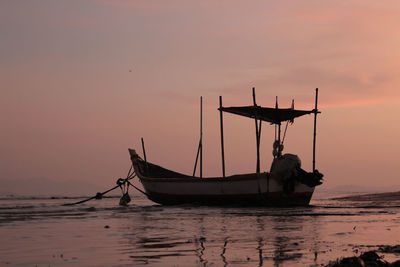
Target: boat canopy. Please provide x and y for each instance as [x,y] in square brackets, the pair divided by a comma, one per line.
[272,115]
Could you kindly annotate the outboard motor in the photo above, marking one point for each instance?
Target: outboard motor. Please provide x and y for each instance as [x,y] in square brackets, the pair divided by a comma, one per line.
[288,169]
[286,166]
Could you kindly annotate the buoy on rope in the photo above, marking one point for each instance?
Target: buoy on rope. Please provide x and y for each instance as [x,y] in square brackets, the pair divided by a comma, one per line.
[121,183]
[124,185]
[124,200]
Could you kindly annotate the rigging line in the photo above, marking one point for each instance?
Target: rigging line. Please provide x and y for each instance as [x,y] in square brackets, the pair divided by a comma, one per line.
[133,175]
[284,134]
[129,172]
[82,201]
[103,193]
[138,189]
[197,157]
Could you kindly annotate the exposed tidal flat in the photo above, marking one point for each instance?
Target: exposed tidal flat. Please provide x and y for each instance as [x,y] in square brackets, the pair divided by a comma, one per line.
[42,232]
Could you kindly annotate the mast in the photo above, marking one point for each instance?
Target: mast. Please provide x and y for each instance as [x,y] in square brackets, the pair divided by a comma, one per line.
[277,141]
[257,131]
[315,126]
[201,137]
[144,155]
[144,151]
[279,135]
[279,130]
[222,136]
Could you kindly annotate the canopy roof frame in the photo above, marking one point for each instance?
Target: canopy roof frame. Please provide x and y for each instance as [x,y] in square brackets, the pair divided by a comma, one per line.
[272,115]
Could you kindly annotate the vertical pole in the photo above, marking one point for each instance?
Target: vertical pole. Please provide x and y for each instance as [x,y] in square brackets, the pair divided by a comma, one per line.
[144,151]
[315,126]
[201,137]
[277,132]
[222,136]
[144,155]
[257,135]
[279,135]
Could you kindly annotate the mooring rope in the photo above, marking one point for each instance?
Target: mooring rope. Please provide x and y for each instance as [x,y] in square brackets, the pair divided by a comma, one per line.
[138,189]
[97,196]
[121,183]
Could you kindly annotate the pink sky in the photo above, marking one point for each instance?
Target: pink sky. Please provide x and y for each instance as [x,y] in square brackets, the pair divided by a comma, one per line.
[70,107]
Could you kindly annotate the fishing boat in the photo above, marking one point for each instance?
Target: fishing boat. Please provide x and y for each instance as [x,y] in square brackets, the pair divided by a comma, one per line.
[286,184]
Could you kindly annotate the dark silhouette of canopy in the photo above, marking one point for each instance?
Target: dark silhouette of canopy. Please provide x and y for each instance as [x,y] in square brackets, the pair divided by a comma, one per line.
[272,115]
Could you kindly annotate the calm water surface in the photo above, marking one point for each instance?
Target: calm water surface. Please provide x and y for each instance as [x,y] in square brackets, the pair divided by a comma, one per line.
[100,233]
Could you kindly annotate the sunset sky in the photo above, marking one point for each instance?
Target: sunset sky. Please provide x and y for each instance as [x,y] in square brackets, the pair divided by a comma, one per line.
[81,81]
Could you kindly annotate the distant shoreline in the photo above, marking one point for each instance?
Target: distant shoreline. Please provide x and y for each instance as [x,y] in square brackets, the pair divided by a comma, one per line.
[387,196]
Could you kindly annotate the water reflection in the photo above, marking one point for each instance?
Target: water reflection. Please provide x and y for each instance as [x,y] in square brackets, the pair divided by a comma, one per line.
[287,246]
[260,251]
[144,234]
[200,250]
[222,237]
[223,252]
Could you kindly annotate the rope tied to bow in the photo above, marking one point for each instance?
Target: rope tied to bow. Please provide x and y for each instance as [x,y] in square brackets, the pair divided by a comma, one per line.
[122,183]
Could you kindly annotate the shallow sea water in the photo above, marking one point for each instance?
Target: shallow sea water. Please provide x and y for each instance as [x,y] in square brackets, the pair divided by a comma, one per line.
[42,232]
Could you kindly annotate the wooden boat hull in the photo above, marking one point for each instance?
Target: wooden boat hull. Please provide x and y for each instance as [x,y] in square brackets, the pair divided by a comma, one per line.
[256,189]
[264,199]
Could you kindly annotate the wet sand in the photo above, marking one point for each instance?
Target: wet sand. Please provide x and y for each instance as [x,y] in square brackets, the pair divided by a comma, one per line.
[367,259]
[42,232]
[372,257]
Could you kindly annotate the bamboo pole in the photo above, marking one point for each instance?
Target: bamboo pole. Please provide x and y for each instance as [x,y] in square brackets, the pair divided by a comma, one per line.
[222,136]
[144,155]
[315,126]
[201,137]
[257,134]
[279,139]
[144,151]
[277,130]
